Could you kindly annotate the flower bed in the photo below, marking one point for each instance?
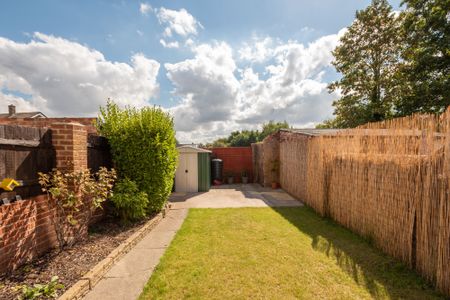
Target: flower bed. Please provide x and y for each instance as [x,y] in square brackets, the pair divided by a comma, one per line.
[72,263]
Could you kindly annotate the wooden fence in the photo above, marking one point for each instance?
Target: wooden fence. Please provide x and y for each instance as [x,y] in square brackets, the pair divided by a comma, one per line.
[24,151]
[99,154]
[386,181]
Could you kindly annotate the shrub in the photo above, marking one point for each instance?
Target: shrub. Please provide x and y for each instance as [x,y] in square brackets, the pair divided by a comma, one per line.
[143,148]
[130,204]
[75,195]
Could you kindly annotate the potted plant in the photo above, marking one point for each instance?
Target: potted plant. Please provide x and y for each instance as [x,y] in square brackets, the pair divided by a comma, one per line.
[275,170]
[244,176]
[230,177]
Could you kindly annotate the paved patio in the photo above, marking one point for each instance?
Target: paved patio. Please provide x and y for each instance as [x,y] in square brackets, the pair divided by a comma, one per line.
[126,279]
[235,195]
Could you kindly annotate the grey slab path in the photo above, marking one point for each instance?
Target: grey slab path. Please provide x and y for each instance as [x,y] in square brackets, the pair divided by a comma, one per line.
[126,279]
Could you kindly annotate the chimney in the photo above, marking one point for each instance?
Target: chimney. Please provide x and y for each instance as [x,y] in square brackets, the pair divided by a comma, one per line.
[11,109]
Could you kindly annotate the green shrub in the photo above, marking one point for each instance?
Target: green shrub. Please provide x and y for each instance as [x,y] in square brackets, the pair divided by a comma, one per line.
[129,203]
[143,148]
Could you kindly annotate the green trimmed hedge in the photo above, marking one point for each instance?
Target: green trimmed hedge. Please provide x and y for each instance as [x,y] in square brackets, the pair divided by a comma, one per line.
[143,148]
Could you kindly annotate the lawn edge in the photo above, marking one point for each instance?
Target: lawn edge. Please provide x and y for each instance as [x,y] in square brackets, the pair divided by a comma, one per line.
[96,273]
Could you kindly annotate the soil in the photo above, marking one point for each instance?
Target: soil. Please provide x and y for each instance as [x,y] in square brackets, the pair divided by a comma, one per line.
[70,264]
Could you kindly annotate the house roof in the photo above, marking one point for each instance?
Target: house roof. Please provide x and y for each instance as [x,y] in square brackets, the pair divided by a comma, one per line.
[23,115]
[190,148]
[313,131]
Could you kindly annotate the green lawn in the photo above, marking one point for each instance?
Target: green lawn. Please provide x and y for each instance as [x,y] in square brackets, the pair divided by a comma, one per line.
[285,253]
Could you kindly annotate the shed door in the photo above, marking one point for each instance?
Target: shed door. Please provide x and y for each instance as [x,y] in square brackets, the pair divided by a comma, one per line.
[186,177]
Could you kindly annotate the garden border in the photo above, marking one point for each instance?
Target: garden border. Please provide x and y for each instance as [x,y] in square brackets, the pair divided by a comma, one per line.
[95,274]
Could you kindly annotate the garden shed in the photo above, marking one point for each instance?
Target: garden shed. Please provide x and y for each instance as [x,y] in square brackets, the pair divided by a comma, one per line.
[194,169]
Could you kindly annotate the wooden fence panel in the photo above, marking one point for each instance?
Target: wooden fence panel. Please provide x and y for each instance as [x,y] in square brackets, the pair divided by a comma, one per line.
[99,153]
[25,151]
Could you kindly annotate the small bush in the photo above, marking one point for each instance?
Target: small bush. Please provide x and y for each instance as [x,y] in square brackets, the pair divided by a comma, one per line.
[143,148]
[75,196]
[130,204]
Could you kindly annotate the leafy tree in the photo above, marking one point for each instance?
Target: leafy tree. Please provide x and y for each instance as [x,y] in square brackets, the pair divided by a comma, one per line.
[427,56]
[243,138]
[368,58]
[271,127]
[222,142]
[247,137]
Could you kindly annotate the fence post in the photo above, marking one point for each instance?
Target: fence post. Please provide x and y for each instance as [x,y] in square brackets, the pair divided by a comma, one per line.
[70,143]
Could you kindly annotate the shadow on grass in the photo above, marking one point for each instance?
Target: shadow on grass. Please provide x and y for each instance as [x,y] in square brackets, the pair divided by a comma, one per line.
[381,275]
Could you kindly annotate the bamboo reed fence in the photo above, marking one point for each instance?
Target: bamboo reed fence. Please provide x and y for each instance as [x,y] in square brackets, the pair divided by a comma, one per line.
[387,181]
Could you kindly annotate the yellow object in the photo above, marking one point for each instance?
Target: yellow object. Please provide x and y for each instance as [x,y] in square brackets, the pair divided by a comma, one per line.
[8,184]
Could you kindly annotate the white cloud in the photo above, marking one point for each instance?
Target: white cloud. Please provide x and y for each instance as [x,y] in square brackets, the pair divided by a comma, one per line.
[218,97]
[145,8]
[258,50]
[207,86]
[180,22]
[65,78]
[165,44]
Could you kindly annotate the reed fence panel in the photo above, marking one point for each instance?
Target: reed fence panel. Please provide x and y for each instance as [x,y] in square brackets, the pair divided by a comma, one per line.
[387,181]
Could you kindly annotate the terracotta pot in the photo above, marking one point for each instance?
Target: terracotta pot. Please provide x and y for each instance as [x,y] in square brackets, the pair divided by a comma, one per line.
[274,185]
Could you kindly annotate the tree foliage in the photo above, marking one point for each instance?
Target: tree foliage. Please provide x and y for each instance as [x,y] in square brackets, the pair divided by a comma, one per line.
[427,56]
[245,138]
[368,59]
[143,148]
[393,64]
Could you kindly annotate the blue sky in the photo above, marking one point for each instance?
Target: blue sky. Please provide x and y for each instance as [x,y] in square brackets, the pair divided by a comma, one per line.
[231,64]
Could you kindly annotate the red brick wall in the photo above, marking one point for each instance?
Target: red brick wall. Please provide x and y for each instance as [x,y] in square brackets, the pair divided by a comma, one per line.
[236,160]
[46,122]
[26,232]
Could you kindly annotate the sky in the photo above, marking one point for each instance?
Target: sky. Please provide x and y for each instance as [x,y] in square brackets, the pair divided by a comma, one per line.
[216,66]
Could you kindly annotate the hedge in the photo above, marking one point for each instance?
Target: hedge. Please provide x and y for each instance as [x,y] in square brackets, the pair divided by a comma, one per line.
[143,148]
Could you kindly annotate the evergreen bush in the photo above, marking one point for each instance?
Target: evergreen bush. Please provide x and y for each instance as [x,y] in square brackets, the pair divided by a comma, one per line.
[143,148]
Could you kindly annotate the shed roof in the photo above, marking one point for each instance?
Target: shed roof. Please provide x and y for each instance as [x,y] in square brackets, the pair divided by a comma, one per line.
[191,149]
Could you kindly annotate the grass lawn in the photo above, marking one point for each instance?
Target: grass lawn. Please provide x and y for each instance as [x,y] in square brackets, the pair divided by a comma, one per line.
[283,253]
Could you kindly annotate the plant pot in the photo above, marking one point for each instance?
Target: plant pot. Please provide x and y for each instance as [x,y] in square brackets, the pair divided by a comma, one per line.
[244,180]
[274,185]
[230,180]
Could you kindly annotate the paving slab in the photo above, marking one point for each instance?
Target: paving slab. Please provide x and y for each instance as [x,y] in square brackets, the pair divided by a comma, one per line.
[126,279]
[235,195]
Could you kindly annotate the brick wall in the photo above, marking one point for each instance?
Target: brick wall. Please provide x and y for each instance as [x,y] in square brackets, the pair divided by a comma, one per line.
[26,232]
[26,229]
[47,122]
[236,160]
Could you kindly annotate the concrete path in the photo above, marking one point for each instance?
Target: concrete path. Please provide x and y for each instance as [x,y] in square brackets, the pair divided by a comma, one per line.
[128,276]
[235,195]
